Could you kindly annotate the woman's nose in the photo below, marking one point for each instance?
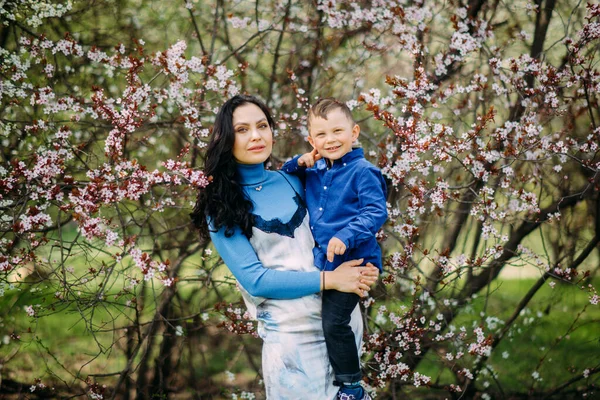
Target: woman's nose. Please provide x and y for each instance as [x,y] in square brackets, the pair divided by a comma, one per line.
[254,134]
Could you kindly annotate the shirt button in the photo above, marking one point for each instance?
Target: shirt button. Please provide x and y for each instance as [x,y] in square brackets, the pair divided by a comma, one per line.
[320,208]
[344,164]
[325,187]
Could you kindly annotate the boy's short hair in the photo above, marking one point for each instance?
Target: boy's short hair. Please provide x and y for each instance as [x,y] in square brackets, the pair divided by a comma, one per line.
[324,106]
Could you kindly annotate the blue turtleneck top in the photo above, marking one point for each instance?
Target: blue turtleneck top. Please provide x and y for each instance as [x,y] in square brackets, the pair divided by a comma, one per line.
[273,197]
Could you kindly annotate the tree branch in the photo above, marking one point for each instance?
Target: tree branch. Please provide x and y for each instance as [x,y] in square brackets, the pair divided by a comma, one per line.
[277,47]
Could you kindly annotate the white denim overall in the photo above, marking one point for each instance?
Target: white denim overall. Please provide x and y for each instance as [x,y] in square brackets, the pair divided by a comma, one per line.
[295,364]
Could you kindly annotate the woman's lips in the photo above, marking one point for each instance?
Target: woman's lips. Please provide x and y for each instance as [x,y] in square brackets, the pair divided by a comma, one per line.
[257,148]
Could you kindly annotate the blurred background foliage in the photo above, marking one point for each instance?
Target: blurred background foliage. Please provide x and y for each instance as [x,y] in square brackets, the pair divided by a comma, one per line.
[99,329]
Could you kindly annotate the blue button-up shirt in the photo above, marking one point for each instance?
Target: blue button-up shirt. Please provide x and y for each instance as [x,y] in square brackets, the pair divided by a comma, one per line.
[346,200]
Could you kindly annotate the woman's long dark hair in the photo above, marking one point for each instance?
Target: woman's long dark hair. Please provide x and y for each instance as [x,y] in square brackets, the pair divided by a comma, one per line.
[223,200]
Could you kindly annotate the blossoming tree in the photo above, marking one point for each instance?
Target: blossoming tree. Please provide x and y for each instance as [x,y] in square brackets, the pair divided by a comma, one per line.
[482,116]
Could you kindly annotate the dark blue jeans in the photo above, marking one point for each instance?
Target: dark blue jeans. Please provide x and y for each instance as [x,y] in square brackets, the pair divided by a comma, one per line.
[339,337]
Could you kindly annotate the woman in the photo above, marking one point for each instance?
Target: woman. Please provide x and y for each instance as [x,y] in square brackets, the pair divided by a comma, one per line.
[258,223]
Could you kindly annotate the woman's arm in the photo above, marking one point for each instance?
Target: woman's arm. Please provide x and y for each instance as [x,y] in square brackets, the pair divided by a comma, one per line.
[242,261]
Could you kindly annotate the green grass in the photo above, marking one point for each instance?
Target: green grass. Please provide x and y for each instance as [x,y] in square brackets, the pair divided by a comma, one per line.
[538,333]
[558,334]
[65,345]
[59,338]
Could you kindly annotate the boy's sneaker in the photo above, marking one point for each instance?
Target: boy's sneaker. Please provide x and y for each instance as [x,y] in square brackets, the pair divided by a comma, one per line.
[353,392]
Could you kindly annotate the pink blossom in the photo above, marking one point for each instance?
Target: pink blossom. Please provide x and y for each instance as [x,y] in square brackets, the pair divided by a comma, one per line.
[30,311]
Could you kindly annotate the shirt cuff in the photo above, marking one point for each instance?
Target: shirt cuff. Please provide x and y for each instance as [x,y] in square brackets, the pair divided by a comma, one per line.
[347,237]
[292,165]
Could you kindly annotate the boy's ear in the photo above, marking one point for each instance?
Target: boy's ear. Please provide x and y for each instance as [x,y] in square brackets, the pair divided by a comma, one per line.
[355,132]
[311,141]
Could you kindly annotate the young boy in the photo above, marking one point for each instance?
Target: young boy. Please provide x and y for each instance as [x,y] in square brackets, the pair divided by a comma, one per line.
[346,199]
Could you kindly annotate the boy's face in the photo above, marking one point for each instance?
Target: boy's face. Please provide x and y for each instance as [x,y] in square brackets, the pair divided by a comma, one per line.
[332,137]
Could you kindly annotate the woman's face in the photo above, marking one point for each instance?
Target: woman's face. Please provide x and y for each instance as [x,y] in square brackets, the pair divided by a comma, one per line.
[253,136]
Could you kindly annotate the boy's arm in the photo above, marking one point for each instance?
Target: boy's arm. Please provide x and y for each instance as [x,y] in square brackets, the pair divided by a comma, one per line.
[297,165]
[293,168]
[373,210]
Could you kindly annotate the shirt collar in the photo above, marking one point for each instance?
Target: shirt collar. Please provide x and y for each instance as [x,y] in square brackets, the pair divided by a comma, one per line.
[251,174]
[350,156]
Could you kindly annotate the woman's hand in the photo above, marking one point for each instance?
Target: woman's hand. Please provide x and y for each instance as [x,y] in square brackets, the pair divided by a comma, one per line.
[351,278]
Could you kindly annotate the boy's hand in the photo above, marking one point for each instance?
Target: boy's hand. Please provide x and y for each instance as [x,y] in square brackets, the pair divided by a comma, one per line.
[335,246]
[308,159]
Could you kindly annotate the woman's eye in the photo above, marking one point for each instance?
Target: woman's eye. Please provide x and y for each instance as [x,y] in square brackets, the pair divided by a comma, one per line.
[241,130]
[264,126]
